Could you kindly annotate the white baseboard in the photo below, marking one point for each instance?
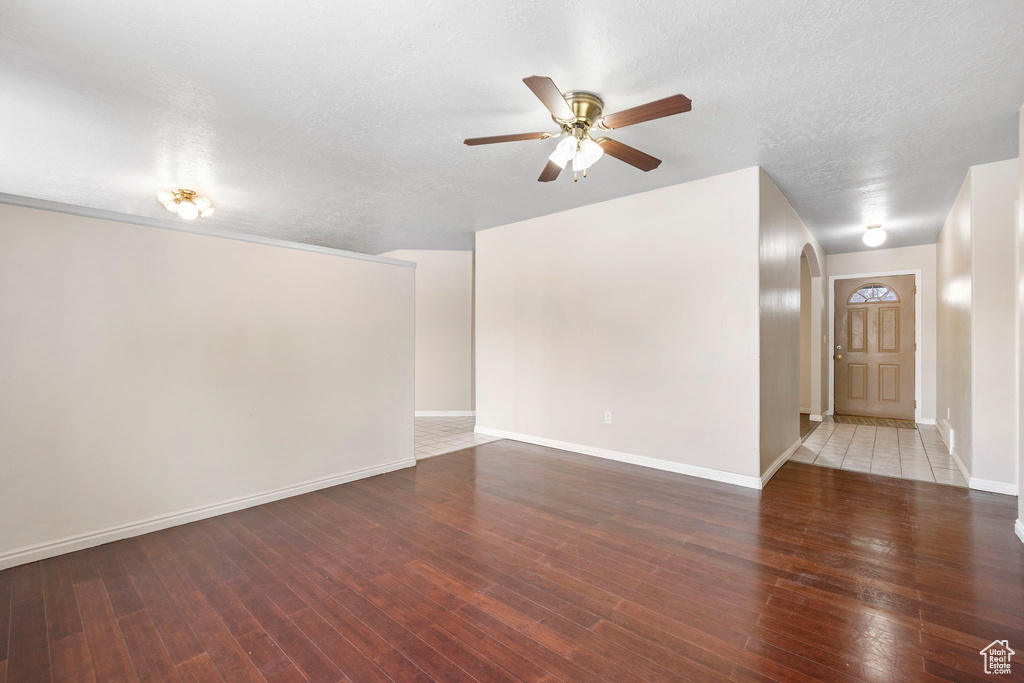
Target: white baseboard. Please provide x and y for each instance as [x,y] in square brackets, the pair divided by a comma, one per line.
[982,484]
[69,544]
[943,428]
[817,418]
[992,486]
[1018,528]
[926,420]
[959,464]
[779,462]
[642,460]
[445,413]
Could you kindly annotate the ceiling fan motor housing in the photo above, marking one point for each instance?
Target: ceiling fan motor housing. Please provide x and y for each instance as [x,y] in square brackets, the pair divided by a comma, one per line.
[585,105]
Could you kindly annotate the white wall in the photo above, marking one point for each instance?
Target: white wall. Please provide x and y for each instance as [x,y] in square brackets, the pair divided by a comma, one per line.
[782,238]
[1020,331]
[903,258]
[444,328]
[149,377]
[954,353]
[976,334]
[993,223]
[806,340]
[644,306]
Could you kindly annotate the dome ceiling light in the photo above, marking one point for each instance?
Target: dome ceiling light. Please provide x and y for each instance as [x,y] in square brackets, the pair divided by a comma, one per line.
[576,113]
[874,235]
[185,203]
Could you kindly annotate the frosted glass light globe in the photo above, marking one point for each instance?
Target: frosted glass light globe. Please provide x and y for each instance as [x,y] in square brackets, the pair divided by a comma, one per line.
[874,236]
[564,152]
[591,151]
[187,210]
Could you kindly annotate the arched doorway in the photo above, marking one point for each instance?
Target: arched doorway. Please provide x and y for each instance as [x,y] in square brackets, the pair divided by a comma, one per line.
[812,340]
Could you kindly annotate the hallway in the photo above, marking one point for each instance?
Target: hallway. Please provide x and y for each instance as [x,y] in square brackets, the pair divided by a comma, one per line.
[437,435]
[917,454]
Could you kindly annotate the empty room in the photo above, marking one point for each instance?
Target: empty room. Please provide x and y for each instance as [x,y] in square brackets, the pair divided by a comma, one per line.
[514,341]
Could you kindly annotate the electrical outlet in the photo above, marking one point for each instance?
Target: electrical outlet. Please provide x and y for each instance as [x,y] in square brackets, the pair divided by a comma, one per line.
[607,417]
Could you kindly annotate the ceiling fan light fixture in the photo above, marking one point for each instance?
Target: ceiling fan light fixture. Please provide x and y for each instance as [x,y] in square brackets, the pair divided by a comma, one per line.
[578,113]
[874,235]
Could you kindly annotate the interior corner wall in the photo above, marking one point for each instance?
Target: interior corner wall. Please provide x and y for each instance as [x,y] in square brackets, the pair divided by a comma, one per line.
[1020,330]
[151,377]
[954,352]
[994,190]
[782,238]
[923,258]
[644,307]
[444,328]
[976,271]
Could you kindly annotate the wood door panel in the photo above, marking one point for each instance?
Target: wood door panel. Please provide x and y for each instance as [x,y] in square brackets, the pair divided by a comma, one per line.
[889,330]
[858,327]
[889,383]
[874,325]
[858,382]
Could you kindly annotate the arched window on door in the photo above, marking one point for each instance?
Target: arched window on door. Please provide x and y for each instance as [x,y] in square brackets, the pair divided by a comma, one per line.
[873,294]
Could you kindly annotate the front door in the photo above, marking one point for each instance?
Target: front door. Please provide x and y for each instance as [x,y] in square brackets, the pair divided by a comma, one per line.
[874,351]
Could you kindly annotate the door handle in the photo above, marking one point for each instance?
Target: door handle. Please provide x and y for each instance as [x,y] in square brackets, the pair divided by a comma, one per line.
[838,356]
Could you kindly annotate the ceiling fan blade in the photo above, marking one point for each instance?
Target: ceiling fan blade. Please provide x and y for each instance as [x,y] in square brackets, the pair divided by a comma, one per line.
[549,94]
[677,104]
[550,172]
[507,138]
[633,157]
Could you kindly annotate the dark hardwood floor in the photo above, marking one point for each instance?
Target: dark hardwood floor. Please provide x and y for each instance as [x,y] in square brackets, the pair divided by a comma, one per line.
[516,562]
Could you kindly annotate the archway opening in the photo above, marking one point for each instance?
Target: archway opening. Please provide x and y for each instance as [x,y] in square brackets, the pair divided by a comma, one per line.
[806,425]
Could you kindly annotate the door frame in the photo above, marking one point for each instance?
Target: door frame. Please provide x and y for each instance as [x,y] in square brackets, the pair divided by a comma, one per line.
[918,341]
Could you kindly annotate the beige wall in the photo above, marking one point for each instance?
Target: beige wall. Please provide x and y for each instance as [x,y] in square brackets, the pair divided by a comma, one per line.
[782,238]
[976,335]
[444,329]
[806,341]
[903,258]
[644,306]
[149,377]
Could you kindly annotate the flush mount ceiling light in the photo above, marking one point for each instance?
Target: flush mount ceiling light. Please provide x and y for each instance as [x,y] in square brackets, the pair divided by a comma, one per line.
[577,113]
[874,235]
[185,203]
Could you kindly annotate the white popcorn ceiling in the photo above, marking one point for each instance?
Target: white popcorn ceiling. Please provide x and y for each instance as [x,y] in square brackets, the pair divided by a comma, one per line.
[340,124]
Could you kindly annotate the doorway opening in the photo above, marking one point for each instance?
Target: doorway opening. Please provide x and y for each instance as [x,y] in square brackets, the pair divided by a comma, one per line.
[806,346]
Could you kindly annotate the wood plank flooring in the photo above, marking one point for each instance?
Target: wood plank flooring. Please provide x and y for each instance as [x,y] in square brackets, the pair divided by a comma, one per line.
[511,562]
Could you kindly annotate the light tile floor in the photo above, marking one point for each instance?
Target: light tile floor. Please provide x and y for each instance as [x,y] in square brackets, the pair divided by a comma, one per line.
[437,435]
[904,453]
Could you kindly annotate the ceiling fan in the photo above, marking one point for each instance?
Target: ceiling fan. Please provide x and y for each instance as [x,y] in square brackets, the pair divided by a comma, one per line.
[577,114]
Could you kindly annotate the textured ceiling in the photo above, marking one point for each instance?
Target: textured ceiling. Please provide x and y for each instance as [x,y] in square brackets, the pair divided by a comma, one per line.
[340,123]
